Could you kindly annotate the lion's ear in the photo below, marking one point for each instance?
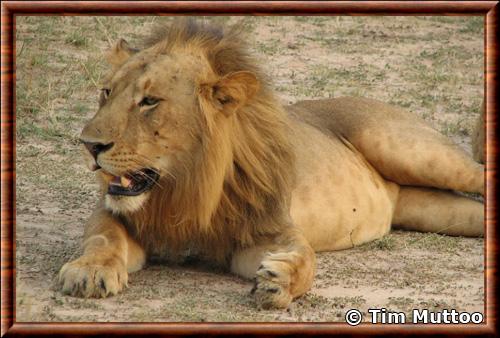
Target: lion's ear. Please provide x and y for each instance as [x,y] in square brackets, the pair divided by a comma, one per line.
[233,91]
[120,53]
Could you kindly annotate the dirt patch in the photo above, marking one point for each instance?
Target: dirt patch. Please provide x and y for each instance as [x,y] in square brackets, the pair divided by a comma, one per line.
[432,66]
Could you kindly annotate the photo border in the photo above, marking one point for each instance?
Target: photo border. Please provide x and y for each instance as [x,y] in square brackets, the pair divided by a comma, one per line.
[9,10]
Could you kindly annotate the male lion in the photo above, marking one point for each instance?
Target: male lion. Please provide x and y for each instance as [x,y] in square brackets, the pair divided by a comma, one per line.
[196,157]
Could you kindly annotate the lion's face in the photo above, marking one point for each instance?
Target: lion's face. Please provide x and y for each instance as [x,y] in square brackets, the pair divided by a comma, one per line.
[152,119]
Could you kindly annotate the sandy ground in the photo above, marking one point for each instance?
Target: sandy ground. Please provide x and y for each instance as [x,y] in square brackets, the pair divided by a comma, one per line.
[433,66]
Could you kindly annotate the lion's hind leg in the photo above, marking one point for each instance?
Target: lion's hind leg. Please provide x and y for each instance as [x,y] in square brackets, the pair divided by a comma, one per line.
[411,153]
[401,146]
[433,210]
[422,157]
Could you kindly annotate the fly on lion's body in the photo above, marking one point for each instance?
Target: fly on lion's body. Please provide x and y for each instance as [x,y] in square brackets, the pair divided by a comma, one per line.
[193,151]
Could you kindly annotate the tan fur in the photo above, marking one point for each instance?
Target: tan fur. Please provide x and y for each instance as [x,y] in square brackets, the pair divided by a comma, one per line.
[422,208]
[244,184]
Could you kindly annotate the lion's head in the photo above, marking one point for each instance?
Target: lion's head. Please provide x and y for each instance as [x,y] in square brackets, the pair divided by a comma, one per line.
[190,121]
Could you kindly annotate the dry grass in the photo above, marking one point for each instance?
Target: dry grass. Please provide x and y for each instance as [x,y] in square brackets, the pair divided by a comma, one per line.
[433,66]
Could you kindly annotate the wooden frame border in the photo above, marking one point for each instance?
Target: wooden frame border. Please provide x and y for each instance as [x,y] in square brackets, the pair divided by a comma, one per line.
[9,9]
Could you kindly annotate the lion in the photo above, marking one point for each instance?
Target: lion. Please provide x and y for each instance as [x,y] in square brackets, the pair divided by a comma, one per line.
[196,157]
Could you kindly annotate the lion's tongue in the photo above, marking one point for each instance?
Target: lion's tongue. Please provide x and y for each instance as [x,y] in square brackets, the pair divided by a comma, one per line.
[121,181]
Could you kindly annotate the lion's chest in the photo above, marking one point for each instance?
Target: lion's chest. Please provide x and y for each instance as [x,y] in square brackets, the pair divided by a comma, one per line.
[180,243]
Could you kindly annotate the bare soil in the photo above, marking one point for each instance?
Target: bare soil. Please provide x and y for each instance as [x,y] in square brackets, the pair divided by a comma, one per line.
[432,66]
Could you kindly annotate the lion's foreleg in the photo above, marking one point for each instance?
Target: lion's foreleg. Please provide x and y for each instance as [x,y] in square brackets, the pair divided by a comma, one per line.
[283,269]
[109,253]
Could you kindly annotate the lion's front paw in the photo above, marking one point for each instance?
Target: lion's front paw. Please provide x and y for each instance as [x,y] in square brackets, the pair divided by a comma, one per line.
[89,276]
[272,285]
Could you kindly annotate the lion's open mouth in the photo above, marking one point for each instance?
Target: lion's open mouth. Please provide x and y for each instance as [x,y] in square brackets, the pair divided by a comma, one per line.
[133,184]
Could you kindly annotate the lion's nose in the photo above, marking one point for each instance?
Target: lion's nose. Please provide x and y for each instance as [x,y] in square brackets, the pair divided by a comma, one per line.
[95,148]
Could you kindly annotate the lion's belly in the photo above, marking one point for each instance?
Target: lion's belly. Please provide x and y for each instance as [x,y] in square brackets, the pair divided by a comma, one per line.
[339,200]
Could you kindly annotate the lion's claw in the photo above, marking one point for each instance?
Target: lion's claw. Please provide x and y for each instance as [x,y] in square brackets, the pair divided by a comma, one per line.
[271,291]
[269,295]
[91,277]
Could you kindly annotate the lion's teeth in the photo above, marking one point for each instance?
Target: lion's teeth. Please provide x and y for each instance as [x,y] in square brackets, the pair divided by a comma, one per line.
[107,176]
[125,182]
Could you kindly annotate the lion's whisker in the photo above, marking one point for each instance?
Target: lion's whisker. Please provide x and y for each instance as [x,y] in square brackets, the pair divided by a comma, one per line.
[155,170]
[143,174]
[151,179]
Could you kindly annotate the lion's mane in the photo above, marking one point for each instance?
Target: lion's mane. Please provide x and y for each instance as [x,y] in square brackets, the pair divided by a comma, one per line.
[237,191]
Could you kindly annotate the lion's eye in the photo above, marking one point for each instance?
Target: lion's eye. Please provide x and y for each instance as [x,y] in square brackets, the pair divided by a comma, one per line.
[106,92]
[148,101]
